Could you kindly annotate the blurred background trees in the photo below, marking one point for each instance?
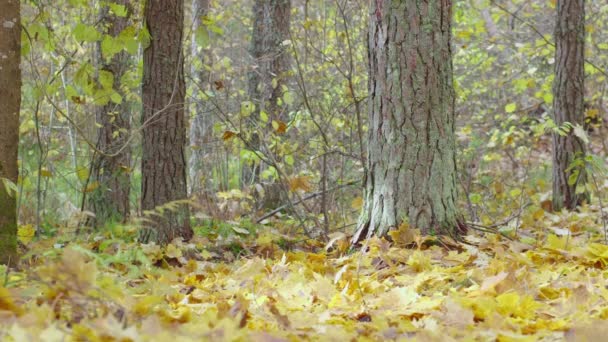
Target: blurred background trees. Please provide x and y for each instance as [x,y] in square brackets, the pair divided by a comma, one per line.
[84,115]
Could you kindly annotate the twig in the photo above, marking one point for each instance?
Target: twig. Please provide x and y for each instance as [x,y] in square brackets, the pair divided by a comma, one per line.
[599,197]
[305,198]
[533,28]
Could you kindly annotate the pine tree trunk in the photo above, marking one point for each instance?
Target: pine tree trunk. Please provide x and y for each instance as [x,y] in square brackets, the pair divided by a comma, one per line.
[271,23]
[164,135]
[10,100]
[201,126]
[411,151]
[110,176]
[568,103]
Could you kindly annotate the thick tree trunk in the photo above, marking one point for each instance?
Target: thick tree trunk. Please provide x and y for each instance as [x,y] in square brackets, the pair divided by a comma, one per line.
[271,22]
[164,135]
[411,151]
[10,100]
[568,103]
[201,126]
[110,175]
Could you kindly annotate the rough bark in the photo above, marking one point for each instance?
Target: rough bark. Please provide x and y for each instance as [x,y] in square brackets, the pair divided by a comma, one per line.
[10,100]
[201,126]
[411,151]
[110,175]
[271,21]
[164,134]
[568,102]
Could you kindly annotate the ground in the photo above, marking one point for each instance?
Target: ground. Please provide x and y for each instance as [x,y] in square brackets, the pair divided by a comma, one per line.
[549,285]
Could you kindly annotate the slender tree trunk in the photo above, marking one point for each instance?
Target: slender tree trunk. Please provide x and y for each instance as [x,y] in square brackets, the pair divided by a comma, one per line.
[568,103]
[10,100]
[268,78]
[164,136]
[110,176]
[201,127]
[411,152]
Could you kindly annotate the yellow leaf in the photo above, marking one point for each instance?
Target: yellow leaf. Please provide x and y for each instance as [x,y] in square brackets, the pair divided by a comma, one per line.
[556,243]
[83,173]
[404,236]
[300,183]
[44,172]
[7,303]
[92,187]
[26,233]
[419,261]
[357,203]
[146,304]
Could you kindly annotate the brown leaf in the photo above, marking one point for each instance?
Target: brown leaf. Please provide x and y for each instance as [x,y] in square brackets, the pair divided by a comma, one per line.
[228,135]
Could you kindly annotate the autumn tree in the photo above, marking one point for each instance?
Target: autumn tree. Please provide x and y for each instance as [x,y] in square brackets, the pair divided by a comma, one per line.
[110,176]
[10,98]
[164,185]
[568,104]
[268,77]
[411,167]
[201,126]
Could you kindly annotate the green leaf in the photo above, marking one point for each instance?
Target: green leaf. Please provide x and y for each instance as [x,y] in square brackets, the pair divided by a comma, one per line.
[128,40]
[263,116]
[288,98]
[86,33]
[110,46]
[119,10]
[144,37]
[475,198]
[78,2]
[510,108]
[116,98]
[240,230]
[573,177]
[106,79]
[201,37]
[10,187]
[289,160]
[247,107]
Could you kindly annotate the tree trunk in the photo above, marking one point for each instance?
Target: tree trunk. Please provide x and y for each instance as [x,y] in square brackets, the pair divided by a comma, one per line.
[201,127]
[10,98]
[164,133]
[411,151]
[271,21]
[110,176]
[568,103]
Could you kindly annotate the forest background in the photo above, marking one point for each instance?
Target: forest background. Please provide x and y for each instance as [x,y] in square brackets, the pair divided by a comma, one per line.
[277,191]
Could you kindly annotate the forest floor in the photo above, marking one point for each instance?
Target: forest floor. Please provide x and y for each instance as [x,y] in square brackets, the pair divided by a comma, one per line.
[548,285]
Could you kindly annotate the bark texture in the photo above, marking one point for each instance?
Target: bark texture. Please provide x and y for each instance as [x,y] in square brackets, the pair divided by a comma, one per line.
[111,174]
[164,135]
[10,103]
[271,22]
[411,151]
[201,126]
[568,102]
